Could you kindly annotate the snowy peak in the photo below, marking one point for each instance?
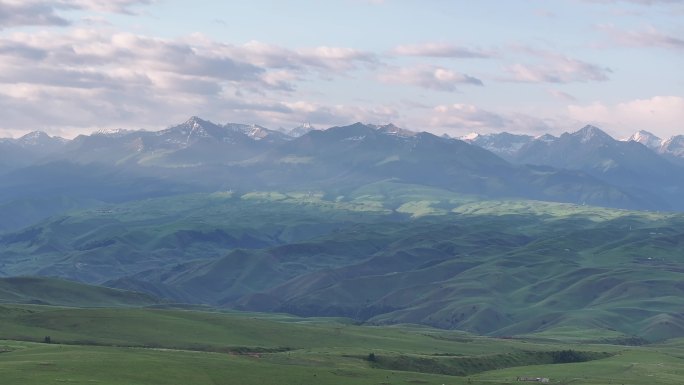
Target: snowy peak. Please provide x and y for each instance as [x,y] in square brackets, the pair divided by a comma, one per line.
[112,132]
[546,138]
[647,139]
[193,127]
[300,130]
[591,133]
[504,144]
[33,138]
[39,139]
[469,137]
[391,129]
[673,146]
[257,132]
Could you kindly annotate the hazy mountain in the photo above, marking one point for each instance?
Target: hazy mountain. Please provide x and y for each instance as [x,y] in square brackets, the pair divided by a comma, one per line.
[503,144]
[198,155]
[257,132]
[28,149]
[629,165]
[300,130]
[188,144]
[647,139]
[673,149]
[347,157]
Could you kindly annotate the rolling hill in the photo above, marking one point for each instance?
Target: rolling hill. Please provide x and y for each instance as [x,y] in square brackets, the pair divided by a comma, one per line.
[52,291]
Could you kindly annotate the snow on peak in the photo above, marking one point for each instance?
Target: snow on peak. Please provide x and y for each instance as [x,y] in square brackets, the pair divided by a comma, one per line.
[647,139]
[673,146]
[590,133]
[300,130]
[470,137]
[112,132]
[546,138]
[34,138]
[256,132]
[391,129]
[35,135]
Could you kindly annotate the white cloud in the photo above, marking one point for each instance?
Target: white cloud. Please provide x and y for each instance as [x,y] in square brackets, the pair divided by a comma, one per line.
[89,78]
[430,77]
[15,13]
[562,95]
[461,118]
[114,6]
[86,79]
[322,58]
[466,117]
[556,69]
[642,2]
[663,115]
[338,114]
[646,38]
[439,50]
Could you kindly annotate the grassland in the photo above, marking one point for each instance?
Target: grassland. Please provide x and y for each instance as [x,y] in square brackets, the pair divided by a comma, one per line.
[382,254]
[52,291]
[170,346]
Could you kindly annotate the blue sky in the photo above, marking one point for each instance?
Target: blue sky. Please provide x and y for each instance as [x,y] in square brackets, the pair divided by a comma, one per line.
[455,67]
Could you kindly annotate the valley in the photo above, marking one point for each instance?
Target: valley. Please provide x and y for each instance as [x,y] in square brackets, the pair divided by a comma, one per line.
[444,261]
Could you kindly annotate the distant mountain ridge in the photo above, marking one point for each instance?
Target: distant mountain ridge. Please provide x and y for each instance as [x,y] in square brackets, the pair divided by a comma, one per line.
[642,164]
[587,166]
[372,222]
[508,145]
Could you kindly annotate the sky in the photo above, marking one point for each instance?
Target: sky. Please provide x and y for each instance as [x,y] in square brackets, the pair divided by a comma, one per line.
[69,67]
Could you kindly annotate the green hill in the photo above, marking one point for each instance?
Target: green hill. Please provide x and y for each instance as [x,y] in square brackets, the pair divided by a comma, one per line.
[166,346]
[51,291]
[387,253]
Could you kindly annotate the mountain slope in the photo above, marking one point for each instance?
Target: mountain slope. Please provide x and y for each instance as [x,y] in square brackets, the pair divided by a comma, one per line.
[344,158]
[200,156]
[503,144]
[27,150]
[53,291]
[628,165]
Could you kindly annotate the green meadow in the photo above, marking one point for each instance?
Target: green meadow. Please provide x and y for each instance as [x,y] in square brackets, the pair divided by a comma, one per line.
[174,346]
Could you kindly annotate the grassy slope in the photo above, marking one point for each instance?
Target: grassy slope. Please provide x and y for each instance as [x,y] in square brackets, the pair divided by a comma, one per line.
[508,268]
[66,293]
[119,240]
[205,347]
[386,253]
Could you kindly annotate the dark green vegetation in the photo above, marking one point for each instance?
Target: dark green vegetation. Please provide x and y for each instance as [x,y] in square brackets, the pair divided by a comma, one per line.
[385,254]
[377,229]
[200,156]
[167,346]
[51,291]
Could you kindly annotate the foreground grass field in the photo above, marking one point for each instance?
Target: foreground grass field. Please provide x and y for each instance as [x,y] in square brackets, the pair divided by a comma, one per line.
[170,346]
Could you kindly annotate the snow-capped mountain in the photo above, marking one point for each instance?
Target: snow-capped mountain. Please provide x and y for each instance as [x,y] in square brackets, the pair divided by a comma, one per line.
[113,132]
[257,132]
[647,139]
[300,130]
[28,149]
[503,144]
[592,134]
[40,139]
[673,146]
[546,138]
[391,129]
[199,155]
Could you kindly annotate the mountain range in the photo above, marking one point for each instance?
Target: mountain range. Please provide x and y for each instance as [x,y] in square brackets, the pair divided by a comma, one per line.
[586,167]
[494,234]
